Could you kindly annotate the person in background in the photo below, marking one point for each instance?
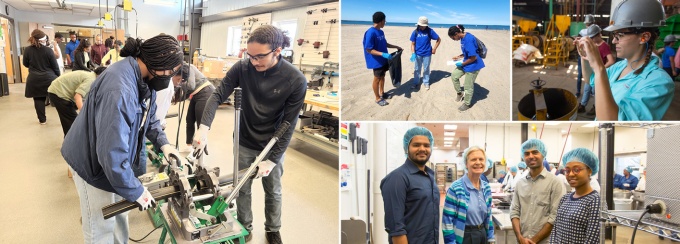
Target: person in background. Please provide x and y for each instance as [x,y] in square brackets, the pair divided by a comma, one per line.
[522,166]
[98,50]
[105,147]
[42,70]
[578,214]
[627,181]
[198,90]
[82,57]
[376,56]
[668,56]
[467,209]
[113,55]
[470,66]
[58,38]
[642,183]
[533,215]
[422,51]
[510,179]
[489,165]
[71,46]
[563,179]
[595,33]
[108,43]
[410,194]
[67,93]
[588,21]
[501,176]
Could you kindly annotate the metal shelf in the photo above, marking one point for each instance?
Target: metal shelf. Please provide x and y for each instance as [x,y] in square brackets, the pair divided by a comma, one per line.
[322,143]
[650,225]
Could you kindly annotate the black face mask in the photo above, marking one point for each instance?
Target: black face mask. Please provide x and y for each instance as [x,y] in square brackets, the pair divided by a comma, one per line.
[159,82]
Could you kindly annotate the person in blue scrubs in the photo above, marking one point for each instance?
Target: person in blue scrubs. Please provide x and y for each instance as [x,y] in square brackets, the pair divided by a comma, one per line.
[470,66]
[634,89]
[501,176]
[422,51]
[627,181]
[376,56]
[410,194]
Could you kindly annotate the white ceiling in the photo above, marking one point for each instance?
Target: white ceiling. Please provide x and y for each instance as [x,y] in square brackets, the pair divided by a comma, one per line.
[74,7]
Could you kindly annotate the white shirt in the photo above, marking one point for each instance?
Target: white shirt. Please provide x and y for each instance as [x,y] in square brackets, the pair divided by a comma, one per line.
[565,184]
[163,100]
[510,181]
[641,184]
[60,60]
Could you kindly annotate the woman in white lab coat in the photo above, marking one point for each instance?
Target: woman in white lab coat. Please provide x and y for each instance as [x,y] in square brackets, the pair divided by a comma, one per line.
[510,179]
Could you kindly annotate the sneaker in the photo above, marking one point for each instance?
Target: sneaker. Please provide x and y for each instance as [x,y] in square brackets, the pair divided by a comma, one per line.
[581,108]
[592,111]
[249,236]
[427,87]
[463,107]
[274,238]
[43,123]
[460,96]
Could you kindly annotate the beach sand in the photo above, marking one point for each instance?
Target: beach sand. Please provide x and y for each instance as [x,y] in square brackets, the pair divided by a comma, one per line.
[491,99]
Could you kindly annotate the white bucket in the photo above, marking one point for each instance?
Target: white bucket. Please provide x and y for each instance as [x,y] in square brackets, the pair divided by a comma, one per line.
[623,204]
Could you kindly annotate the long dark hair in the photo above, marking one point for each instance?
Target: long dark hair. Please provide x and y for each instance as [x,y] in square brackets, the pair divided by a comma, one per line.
[35,36]
[83,44]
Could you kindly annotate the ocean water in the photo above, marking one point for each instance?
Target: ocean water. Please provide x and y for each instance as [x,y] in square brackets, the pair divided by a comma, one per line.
[433,25]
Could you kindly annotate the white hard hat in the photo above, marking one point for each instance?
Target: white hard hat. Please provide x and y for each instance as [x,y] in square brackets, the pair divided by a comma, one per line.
[669,38]
[638,14]
[422,21]
[589,19]
[593,30]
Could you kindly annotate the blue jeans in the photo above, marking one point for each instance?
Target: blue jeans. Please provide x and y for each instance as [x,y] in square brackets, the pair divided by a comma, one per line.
[587,90]
[96,229]
[272,193]
[579,78]
[425,63]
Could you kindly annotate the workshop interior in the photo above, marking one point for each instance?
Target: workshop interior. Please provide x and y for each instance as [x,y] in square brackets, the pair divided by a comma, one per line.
[372,150]
[195,196]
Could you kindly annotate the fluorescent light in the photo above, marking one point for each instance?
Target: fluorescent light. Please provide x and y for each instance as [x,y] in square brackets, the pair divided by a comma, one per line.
[47,27]
[449,133]
[448,138]
[564,131]
[161,2]
[450,127]
[449,145]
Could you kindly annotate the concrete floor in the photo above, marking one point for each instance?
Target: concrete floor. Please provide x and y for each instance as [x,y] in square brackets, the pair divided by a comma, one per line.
[565,78]
[623,235]
[40,203]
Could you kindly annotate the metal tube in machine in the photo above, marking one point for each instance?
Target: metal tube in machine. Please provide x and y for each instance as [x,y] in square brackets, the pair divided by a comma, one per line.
[237,128]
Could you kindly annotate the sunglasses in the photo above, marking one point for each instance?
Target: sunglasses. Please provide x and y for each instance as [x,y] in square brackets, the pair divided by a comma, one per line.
[259,56]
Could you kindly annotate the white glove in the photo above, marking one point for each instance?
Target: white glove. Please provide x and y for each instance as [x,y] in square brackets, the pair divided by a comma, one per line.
[145,200]
[168,150]
[264,168]
[200,140]
[626,185]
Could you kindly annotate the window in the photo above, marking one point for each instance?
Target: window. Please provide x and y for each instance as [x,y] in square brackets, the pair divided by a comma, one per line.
[290,27]
[234,40]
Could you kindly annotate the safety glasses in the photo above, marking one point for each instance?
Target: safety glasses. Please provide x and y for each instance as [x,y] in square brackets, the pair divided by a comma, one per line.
[258,57]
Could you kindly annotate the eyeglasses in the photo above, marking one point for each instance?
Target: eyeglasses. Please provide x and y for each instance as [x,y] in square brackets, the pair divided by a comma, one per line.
[164,72]
[259,56]
[619,35]
[576,170]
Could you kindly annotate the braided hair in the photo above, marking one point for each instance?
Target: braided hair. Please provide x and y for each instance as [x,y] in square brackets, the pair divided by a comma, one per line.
[35,36]
[268,34]
[648,55]
[161,52]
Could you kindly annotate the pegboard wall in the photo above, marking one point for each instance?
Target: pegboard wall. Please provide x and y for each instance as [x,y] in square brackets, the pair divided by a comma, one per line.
[250,23]
[320,35]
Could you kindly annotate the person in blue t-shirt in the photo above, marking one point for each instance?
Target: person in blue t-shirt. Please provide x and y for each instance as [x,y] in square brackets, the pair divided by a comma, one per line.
[71,47]
[423,51]
[668,56]
[470,66]
[376,55]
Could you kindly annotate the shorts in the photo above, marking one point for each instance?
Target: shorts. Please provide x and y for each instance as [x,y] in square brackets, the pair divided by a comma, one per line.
[380,72]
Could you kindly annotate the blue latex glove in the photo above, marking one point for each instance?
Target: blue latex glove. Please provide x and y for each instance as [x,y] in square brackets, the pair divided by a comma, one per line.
[459,64]
[386,55]
[413,57]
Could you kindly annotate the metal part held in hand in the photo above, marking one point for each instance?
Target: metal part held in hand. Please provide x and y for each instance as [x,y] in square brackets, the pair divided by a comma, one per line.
[279,132]
[237,128]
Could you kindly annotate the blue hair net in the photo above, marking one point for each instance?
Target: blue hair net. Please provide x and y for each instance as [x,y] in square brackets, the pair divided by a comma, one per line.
[513,169]
[629,169]
[534,144]
[467,151]
[502,172]
[522,165]
[584,156]
[417,131]
[489,163]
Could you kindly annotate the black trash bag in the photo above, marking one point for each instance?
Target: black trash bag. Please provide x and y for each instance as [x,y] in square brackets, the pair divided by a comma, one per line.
[395,67]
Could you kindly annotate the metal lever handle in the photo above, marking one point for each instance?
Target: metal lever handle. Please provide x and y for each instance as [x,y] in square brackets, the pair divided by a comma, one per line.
[282,129]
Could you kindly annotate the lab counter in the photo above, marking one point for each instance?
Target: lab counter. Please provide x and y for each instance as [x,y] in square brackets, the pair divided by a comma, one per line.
[504,223]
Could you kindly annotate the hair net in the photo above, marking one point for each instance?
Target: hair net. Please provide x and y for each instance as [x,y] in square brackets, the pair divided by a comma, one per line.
[467,152]
[502,172]
[513,169]
[417,131]
[534,144]
[489,163]
[584,156]
[629,169]
[522,165]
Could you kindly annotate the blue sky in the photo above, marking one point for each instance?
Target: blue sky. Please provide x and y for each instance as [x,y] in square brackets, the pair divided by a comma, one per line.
[485,12]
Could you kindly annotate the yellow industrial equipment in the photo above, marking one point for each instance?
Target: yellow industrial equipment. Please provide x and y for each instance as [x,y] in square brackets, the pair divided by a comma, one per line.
[556,48]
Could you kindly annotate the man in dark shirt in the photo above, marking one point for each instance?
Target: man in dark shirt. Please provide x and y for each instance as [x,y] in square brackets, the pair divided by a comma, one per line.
[273,92]
[98,50]
[410,194]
